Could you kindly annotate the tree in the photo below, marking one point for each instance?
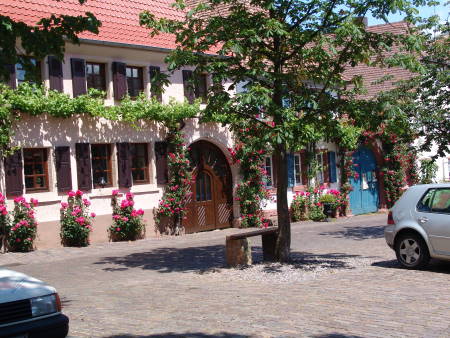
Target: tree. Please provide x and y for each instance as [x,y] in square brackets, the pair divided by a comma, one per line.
[47,37]
[290,56]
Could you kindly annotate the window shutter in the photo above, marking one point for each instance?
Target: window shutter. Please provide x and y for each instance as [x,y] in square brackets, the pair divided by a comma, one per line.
[14,174]
[274,172]
[161,162]
[291,170]
[11,70]
[124,165]
[304,168]
[55,73]
[189,93]
[154,73]
[84,170]
[119,80]
[78,77]
[63,169]
[326,174]
[332,166]
[201,89]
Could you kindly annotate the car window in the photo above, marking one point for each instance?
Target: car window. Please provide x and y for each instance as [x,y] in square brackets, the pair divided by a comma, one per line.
[424,204]
[441,201]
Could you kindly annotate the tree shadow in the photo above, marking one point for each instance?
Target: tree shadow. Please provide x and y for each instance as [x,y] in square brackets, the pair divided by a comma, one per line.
[435,265]
[358,233]
[212,258]
[165,260]
[336,335]
[182,335]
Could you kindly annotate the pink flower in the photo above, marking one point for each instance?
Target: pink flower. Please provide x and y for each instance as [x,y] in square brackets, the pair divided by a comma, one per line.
[115,192]
[130,203]
[125,204]
[129,196]
[116,217]
[117,229]
[71,193]
[93,214]
[29,239]
[134,213]
[64,205]
[19,199]
[34,201]
[18,240]
[125,219]
[79,193]
[86,202]
[140,212]
[80,220]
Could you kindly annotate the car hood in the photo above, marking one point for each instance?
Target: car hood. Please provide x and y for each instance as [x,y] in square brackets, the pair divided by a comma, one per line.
[16,286]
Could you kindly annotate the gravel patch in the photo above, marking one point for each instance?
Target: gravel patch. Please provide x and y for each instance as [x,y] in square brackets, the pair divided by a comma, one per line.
[302,267]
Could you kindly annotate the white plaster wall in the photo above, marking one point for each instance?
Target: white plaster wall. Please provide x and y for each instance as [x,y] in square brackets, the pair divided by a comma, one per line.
[49,132]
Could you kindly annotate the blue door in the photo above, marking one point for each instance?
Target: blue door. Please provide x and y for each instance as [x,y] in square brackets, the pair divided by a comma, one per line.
[364,196]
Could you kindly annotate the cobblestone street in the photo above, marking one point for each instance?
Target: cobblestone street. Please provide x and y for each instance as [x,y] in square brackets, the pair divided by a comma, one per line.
[344,282]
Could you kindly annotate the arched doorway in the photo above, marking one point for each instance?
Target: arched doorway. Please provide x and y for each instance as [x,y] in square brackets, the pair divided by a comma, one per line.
[364,196]
[210,205]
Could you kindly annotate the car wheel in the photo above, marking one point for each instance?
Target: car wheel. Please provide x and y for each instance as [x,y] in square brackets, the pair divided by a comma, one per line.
[412,251]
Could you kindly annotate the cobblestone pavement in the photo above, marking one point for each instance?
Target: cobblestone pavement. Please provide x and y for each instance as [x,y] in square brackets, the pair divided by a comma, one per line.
[344,283]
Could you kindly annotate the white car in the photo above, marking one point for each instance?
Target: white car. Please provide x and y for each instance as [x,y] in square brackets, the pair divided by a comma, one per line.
[29,308]
[419,225]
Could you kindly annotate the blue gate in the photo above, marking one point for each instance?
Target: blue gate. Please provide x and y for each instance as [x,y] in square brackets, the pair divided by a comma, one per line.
[364,197]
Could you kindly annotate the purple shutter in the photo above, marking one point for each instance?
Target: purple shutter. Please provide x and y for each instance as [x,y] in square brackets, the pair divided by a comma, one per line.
[84,171]
[119,80]
[14,174]
[124,165]
[188,86]
[55,73]
[78,77]
[154,72]
[63,169]
[161,162]
[11,70]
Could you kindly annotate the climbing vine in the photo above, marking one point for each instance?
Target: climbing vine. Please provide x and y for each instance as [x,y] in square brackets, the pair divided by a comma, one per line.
[250,152]
[177,192]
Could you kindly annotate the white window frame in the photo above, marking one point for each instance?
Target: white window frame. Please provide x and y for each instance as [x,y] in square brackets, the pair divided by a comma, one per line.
[320,177]
[270,171]
[299,170]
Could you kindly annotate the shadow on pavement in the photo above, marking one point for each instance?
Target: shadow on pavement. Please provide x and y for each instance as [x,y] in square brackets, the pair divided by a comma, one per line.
[211,258]
[182,335]
[434,266]
[164,260]
[336,335]
[358,233]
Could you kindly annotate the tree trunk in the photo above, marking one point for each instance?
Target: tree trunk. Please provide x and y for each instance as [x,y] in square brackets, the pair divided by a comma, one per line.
[283,247]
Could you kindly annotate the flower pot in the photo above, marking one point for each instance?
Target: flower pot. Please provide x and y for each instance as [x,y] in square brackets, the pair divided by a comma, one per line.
[329,209]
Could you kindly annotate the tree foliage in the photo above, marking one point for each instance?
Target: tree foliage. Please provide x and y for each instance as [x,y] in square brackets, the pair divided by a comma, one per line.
[290,57]
[19,41]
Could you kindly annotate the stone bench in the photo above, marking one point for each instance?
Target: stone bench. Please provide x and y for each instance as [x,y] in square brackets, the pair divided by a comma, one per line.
[239,251]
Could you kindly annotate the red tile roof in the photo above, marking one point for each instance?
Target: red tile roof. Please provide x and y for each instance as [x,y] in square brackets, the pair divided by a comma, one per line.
[370,75]
[120,18]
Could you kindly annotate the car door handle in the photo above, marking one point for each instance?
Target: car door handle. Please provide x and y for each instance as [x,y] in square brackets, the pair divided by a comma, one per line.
[423,220]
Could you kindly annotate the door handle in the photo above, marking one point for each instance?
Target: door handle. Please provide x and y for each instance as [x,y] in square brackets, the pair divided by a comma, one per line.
[423,220]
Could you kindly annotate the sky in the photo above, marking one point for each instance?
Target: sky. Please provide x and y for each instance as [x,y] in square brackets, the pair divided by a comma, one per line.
[441,10]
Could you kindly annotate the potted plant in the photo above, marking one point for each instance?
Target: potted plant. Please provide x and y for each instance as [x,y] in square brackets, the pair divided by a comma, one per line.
[330,203]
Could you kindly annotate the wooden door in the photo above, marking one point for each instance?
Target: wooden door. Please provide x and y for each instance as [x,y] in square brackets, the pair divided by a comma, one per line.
[210,205]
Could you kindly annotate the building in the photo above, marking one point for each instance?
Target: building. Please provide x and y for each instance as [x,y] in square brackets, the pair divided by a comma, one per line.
[87,153]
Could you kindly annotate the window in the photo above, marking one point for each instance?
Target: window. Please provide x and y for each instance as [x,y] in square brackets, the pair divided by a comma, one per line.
[134,81]
[36,169]
[139,162]
[95,76]
[268,180]
[435,200]
[28,75]
[201,87]
[297,170]
[320,175]
[101,165]
[203,187]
